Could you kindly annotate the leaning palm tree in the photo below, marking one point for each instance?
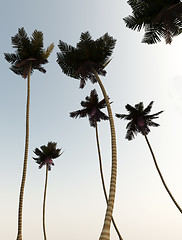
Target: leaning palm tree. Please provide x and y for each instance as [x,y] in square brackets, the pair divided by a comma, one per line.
[160,18]
[140,121]
[29,55]
[92,108]
[87,61]
[46,154]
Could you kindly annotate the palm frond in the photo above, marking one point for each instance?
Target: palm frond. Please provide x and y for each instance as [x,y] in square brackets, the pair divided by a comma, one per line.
[48,51]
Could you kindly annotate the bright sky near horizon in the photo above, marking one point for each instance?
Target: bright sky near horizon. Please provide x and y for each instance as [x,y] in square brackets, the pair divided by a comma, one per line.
[138,72]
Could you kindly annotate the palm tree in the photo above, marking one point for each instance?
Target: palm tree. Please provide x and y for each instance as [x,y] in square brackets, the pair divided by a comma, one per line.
[91,108]
[87,61]
[140,121]
[29,55]
[160,18]
[46,154]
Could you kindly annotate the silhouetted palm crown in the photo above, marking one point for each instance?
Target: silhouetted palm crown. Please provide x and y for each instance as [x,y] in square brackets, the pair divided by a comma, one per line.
[160,18]
[46,154]
[139,118]
[91,108]
[77,62]
[28,51]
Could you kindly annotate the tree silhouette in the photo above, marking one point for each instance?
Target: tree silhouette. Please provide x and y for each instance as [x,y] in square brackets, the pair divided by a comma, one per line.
[92,108]
[29,55]
[139,122]
[46,154]
[87,61]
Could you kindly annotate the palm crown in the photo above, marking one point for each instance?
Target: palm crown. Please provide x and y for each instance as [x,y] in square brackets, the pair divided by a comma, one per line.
[46,154]
[139,118]
[29,51]
[91,108]
[77,62]
[160,18]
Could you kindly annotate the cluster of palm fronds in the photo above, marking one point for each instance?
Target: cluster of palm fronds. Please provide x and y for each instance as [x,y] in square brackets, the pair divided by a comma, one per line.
[86,61]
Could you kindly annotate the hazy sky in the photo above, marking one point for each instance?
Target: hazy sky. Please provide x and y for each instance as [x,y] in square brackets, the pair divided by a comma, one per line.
[75,201]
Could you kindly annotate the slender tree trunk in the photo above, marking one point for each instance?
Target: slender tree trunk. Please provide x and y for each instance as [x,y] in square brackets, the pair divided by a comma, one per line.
[45,190]
[19,235]
[102,177]
[105,234]
[160,174]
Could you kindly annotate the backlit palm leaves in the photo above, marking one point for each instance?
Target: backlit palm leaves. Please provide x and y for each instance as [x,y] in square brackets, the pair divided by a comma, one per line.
[29,55]
[77,62]
[45,156]
[29,52]
[160,18]
[139,118]
[92,108]
[140,121]
[87,61]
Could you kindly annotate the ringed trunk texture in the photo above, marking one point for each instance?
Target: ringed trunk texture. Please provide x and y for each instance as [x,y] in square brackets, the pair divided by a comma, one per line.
[44,201]
[105,234]
[160,174]
[102,178]
[20,210]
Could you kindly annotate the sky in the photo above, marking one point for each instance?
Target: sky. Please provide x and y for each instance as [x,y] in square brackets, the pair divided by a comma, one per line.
[137,73]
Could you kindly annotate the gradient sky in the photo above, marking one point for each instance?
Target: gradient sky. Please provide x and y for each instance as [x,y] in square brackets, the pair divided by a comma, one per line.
[75,201]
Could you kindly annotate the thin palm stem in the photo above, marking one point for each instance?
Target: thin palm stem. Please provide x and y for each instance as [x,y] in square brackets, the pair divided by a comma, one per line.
[160,174]
[19,236]
[105,234]
[102,178]
[44,201]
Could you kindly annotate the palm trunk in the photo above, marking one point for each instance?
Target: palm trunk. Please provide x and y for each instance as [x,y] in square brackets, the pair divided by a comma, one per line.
[160,173]
[45,190]
[19,235]
[105,234]
[102,178]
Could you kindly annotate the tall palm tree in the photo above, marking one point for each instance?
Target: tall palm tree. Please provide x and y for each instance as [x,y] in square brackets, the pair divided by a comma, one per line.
[160,18]
[139,122]
[87,61]
[29,55]
[46,154]
[91,108]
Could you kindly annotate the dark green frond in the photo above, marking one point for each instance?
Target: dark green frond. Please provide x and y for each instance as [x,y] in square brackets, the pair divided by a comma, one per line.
[11,58]
[29,52]
[78,62]
[160,19]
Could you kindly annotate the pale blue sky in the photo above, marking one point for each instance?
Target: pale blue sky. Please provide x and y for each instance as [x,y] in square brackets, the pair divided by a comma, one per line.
[75,201]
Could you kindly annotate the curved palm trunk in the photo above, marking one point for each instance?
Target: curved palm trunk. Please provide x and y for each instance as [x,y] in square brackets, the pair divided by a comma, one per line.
[160,173]
[102,178]
[45,190]
[19,236]
[105,234]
